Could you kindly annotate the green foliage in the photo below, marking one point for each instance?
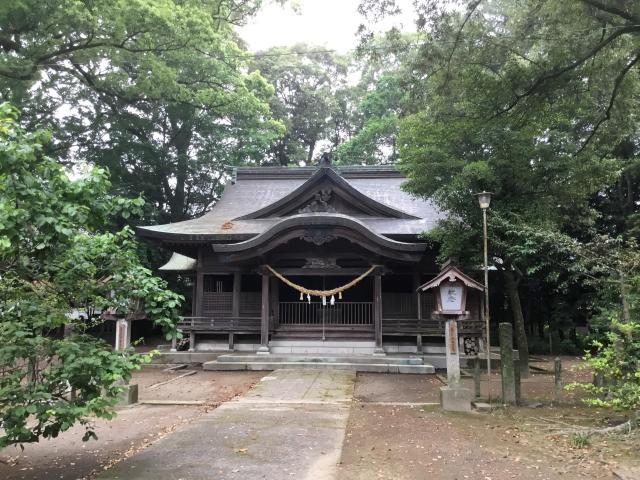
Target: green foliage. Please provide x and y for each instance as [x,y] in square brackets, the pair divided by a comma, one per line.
[153,91]
[48,384]
[100,271]
[580,440]
[311,99]
[382,100]
[618,362]
[40,206]
[55,260]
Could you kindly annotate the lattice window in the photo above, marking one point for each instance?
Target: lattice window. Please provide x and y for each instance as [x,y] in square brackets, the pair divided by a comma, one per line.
[399,305]
[218,283]
[250,302]
[428,303]
[217,303]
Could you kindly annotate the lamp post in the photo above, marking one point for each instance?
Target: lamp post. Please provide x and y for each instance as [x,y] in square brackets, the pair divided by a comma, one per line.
[484,199]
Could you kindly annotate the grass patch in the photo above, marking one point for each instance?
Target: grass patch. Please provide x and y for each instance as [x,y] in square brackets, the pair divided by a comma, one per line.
[580,440]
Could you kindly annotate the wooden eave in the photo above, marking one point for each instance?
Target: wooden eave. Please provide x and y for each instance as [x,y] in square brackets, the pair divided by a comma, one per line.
[342,226]
[180,263]
[451,274]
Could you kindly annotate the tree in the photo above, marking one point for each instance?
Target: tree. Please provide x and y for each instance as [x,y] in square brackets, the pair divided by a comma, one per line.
[157,91]
[54,259]
[527,100]
[312,100]
[381,101]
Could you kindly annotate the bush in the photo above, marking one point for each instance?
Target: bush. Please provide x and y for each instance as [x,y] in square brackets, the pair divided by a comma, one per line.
[618,361]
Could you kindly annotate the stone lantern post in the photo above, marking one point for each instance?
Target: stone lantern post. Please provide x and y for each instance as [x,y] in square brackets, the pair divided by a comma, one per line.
[451,286]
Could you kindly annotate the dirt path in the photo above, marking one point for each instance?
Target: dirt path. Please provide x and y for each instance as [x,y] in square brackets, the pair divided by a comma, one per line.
[389,438]
[404,443]
[134,429]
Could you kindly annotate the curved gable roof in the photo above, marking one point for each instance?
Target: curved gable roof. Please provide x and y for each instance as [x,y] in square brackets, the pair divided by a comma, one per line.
[258,188]
[297,197]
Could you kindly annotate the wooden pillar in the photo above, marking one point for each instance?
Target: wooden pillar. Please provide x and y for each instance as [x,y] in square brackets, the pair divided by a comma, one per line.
[235,301]
[274,293]
[377,313]
[418,294]
[264,316]
[194,295]
[416,284]
[199,294]
[198,312]
[192,341]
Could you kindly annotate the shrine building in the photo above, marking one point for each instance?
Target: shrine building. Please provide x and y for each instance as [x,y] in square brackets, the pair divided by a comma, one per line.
[320,259]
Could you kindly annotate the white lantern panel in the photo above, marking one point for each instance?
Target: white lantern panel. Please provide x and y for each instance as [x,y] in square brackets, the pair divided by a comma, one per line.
[451,297]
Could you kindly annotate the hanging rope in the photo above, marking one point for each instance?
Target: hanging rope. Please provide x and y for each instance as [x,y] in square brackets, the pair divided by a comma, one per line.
[321,293]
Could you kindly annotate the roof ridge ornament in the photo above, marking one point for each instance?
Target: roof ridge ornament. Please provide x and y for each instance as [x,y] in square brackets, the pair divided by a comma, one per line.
[325,160]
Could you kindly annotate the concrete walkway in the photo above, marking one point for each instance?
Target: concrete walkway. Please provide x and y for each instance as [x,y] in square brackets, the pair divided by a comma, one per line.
[290,425]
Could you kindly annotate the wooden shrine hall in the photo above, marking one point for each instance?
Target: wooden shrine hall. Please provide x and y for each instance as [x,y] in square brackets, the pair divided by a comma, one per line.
[311,257]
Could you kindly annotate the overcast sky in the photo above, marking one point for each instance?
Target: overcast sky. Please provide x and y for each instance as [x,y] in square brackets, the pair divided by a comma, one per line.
[330,23]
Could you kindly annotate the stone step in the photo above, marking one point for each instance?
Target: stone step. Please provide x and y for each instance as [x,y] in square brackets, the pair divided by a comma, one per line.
[304,350]
[358,359]
[323,343]
[328,347]
[358,367]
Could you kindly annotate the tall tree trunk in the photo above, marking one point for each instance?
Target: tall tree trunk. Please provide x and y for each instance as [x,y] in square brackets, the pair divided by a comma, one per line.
[511,286]
[624,297]
[181,120]
[312,148]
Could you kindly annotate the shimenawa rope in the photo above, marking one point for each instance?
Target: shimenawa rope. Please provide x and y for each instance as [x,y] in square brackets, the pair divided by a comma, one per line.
[321,293]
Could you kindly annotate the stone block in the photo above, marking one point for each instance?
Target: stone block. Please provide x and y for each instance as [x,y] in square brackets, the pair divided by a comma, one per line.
[419,369]
[129,395]
[482,406]
[215,365]
[455,399]
[394,369]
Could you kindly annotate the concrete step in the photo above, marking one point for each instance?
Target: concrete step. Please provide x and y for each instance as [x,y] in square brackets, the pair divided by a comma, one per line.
[358,367]
[330,359]
[322,343]
[304,350]
[329,347]
[185,357]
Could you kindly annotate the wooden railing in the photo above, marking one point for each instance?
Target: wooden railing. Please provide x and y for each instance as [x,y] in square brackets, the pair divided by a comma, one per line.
[395,326]
[345,314]
[219,324]
[314,313]
[405,305]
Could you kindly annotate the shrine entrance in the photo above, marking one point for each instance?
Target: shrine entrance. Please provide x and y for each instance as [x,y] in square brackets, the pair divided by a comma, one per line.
[312,317]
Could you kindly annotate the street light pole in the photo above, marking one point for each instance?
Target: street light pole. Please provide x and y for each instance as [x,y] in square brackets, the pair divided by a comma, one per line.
[486,300]
[484,198]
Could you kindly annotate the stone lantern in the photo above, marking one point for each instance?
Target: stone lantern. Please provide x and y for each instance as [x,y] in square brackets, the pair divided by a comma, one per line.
[451,286]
